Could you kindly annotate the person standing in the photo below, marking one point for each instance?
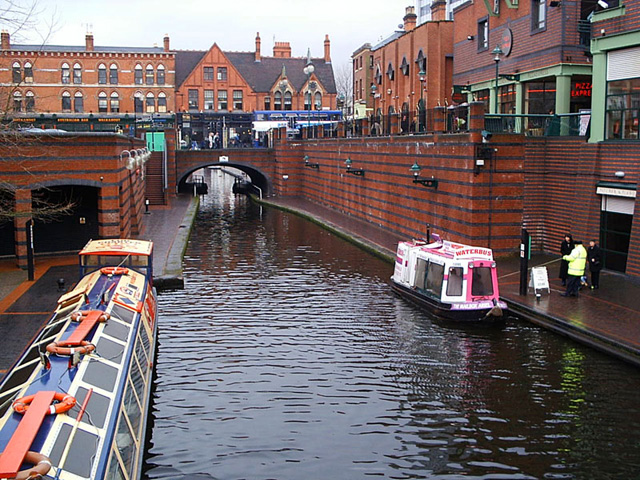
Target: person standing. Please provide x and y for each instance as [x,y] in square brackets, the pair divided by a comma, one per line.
[594,256]
[577,263]
[566,247]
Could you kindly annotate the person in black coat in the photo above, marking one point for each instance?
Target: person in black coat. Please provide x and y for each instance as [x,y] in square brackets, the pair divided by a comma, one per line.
[566,247]
[594,257]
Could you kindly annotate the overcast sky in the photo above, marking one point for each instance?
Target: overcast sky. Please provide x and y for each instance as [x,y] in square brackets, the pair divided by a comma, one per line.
[232,24]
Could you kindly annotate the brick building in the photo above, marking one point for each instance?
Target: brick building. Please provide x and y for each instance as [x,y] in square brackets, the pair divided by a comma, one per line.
[87,79]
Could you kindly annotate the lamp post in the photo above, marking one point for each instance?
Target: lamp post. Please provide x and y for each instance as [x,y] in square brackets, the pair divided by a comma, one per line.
[496,58]
[374,89]
[308,70]
[421,75]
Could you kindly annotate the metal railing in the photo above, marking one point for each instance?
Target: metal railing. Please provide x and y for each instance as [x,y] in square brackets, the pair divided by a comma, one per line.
[532,125]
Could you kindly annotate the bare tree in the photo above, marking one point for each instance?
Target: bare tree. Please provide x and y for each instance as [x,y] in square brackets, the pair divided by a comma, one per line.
[344,84]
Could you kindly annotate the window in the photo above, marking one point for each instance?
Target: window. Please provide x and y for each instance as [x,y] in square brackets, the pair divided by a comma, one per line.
[307,100]
[390,71]
[483,96]
[483,34]
[102,74]
[17,73]
[162,103]
[404,67]
[208,74]
[287,100]
[277,101]
[538,15]
[17,101]
[481,284]
[66,102]
[435,275]
[237,100]
[378,75]
[623,109]
[507,99]
[115,103]
[102,102]
[267,103]
[454,283]
[151,103]
[28,73]
[138,102]
[222,73]
[149,75]
[30,103]
[208,100]
[113,74]
[137,76]
[66,74]
[421,61]
[222,100]
[160,75]
[318,101]
[193,100]
[77,74]
[540,97]
[78,103]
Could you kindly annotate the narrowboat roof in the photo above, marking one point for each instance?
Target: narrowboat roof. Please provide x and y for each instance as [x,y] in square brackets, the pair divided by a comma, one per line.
[117,246]
[455,250]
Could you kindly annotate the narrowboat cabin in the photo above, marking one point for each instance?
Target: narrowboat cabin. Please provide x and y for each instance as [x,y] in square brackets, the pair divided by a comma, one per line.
[452,280]
[74,405]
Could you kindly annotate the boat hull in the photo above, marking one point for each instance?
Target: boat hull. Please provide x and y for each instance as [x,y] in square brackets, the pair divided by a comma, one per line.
[465,313]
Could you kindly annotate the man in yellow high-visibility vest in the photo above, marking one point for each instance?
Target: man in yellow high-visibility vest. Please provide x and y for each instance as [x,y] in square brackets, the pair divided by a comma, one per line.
[577,262]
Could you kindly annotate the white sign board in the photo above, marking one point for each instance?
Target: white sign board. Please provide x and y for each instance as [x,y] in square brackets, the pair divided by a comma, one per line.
[539,279]
[223,158]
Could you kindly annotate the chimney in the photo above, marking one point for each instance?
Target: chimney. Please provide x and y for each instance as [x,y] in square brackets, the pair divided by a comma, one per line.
[410,19]
[439,10]
[6,40]
[89,42]
[258,55]
[166,43]
[327,49]
[282,50]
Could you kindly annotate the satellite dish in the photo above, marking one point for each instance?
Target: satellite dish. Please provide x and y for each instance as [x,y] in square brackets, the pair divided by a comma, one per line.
[400,26]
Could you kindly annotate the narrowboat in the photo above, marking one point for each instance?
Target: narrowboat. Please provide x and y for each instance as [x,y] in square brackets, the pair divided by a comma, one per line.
[74,405]
[452,280]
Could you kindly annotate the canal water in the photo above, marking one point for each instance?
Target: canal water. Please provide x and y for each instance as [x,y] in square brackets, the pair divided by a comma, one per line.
[287,357]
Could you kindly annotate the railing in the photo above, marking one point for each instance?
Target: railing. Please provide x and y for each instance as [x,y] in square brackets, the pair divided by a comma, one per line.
[568,124]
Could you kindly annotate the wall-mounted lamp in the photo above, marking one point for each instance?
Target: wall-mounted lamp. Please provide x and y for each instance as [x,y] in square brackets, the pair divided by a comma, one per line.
[619,174]
[470,37]
[353,171]
[310,165]
[427,182]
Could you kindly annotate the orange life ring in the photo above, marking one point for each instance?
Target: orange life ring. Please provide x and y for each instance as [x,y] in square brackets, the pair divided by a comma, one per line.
[114,270]
[65,403]
[41,466]
[69,348]
[80,315]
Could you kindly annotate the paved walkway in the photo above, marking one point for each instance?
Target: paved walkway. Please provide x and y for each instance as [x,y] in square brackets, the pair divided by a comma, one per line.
[607,319]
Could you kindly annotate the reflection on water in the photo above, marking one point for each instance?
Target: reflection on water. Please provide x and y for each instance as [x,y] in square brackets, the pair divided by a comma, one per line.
[287,357]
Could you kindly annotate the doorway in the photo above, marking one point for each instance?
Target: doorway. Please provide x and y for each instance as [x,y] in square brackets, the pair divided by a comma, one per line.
[616,218]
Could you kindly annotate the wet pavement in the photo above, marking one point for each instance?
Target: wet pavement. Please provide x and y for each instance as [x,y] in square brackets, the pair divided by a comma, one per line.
[607,319]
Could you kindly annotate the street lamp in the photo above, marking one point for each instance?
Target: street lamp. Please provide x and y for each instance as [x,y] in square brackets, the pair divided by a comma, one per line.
[308,70]
[422,75]
[374,89]
[496,58]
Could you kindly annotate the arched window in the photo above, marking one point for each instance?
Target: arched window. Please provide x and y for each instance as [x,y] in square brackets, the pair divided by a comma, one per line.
[137,77]
[30,102]
[404,66]
[115,102]
[149,75]
[390,71]
[17,72]
[102,74]
[66,102]
[113,74]
[138,102]
[28,73]
[160,75]
[102,102]
[378,75]
[66,74]
[17,101]
[421,61]
[287,100]
[78,103]
[267,103]
[318,101]
[77,74]
[277,101]
[162,103]
[307,100]
[151,103]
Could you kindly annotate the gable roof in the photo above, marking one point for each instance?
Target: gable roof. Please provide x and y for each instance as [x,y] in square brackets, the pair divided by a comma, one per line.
[261,76]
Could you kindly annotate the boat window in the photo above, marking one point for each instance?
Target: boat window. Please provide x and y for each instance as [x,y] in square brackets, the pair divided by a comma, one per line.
[454,284]
[144,335]
[110,350]
[421,268]
[435,274]
[101,375]
[132,407]
[122,314]
[117,330]
[115,470]
[96,408]
[142,355]
[81,453]
[481,285]
[136,379]
[126,445]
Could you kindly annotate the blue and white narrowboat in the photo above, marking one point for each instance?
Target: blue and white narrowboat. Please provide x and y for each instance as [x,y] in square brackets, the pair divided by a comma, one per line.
[74,406]
[452,280]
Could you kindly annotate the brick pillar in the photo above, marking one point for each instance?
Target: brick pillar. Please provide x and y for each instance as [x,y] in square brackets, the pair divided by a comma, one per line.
[341,130]
[476,121]
[365,127]
[320,131]
[305,132]
[394,127]
[282,135]
[23,215]
[170,138]
[109,203]
[439,119]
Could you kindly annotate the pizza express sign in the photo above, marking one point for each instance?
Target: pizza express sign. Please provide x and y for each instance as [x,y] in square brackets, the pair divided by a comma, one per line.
[506,41]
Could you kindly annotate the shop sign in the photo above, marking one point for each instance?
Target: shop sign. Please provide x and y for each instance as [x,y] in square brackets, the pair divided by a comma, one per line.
[581,89]
[616,192]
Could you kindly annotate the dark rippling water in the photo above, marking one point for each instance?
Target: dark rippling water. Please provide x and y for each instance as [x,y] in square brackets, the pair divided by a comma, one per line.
[288,357]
